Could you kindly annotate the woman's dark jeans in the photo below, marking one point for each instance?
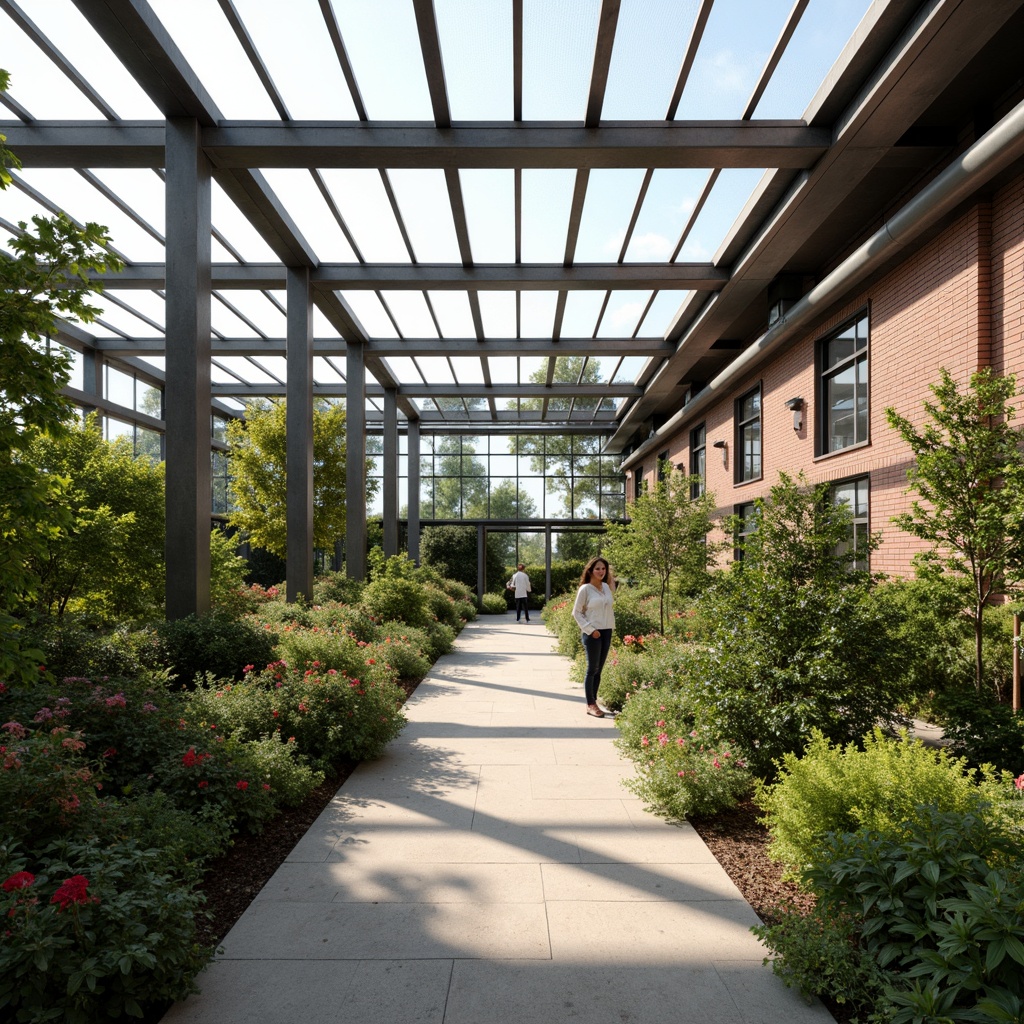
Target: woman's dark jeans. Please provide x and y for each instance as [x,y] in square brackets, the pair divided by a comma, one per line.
[597,651]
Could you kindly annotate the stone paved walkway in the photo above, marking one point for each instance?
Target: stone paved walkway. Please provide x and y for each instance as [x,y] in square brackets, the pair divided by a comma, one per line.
[492,868]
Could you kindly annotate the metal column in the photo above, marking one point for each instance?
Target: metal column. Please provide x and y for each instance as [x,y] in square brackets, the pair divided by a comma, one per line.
[299,429]
[187,387]
[481,561]
[390,471]
[355,464]
[413,521]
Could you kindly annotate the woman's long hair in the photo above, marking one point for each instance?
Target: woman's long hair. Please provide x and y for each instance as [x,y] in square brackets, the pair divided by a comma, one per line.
[589,568]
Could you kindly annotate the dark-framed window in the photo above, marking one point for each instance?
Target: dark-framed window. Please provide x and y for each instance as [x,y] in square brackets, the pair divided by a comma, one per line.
[748,436]
[698,459]
[746,524]
[856,492]
[663,466]
[843,386]
[638,481]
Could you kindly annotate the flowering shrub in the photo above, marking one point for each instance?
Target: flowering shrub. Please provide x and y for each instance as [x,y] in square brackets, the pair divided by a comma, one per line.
[195,645]
[403,648]
[46,780]
[682,767]
[841,789]
[328,646]
[557,616]
[641,663]
[392,597]
[93,933]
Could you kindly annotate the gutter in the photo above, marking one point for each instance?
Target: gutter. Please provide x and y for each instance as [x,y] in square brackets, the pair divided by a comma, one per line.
[999,147]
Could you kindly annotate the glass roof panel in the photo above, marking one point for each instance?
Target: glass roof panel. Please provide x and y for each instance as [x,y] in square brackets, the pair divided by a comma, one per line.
[547,201]
[498,312]
[276,366]
[18,206]
[218,375]
[453,313]
[504,369]
[231,223]
[71,33]
[360,196]
[403,369]
[245,369]
[411,312]
[436,369]
[476,49]
[322,327]
[530,368]
[737,41]
[727,198]
[622,316]
[427,214]
[611,196]
[823,31]
[148,303]
[225,323]
[216,55]
[537,314]
[662,312]
[141,189]
[671,197]
[311,214]
[489,197]
[260,310]
[117,318]
[325,373]
[629,368]
[36,83]
[370,313]
[384,49]
[157,362]
[291,46]
[468,370]
[558,56]
[650,39]
[581,312]
[73,194]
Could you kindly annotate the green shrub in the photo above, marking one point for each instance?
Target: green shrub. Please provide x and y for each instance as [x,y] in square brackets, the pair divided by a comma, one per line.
[278,764]
[982,731]
[557,616]
[337,587]
[389,597]
[440,639]
[321,646]
[682,767]
[451,611]
[636,613]
[195,645]
[493,604]
[94,933]
[842,789]
[73,647]
[936,902]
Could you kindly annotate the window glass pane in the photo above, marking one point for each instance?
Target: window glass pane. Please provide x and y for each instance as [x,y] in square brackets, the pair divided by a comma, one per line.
[840,410]
[119,387]
[147,444]
[861,426]
[149,399]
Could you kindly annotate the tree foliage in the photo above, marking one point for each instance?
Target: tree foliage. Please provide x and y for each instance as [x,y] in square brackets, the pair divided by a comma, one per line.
[968,473]
[45,276]
[452,551]
[666,538]
[258,455]
[109,558]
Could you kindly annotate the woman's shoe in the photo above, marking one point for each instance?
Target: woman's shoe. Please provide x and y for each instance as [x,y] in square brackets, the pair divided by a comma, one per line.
[593,709]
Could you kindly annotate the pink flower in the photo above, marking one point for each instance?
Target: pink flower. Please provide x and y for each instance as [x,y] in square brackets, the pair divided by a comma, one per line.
[662,739]
[1019,782]
[19,880]
[644,741]
[72,891]
[661,722]
[266,786]
[715,763]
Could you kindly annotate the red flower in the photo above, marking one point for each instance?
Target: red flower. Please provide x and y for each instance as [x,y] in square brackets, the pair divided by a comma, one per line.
[72,891]
[241,784]
[109,752]
[190,759]
[203,784]
[19,880]
[266,786]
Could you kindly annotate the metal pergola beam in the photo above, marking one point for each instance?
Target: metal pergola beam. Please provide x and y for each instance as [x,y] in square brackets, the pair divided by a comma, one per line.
[496,391]
[444,276]
[505,144]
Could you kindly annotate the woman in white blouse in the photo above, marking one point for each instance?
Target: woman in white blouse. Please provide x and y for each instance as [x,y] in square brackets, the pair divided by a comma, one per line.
[595,615]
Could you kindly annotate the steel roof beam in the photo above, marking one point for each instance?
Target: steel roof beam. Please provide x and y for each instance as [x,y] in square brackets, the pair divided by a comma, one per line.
[505,144]
[497,391]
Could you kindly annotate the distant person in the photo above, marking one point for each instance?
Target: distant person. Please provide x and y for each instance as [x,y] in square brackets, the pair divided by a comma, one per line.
[520,583]
[595,616]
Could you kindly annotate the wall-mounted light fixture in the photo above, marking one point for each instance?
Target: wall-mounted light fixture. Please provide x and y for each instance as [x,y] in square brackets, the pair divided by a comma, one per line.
[724,445]
[796,405]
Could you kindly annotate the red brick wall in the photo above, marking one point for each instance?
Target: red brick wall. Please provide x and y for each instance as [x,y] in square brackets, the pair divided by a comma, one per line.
[956,303]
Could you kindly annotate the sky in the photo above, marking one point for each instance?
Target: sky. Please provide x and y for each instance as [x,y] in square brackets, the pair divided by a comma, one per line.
[476,43]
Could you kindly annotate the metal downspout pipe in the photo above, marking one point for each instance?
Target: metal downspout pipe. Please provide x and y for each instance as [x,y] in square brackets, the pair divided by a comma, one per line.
[999,147]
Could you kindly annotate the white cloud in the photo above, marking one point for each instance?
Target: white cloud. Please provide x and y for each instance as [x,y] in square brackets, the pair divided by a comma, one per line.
[650,245]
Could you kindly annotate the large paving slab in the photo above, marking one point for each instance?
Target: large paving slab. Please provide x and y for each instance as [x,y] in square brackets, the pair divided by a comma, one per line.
[492,868]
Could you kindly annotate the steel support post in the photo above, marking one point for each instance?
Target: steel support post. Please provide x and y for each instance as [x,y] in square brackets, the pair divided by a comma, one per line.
[413,515]
[187,385]
[299,443]
[355,467]
[390,470]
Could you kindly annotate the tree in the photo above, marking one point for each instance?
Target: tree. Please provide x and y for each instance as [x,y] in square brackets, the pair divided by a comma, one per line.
[969,474]
[666,537]
[258,459]
[569,462]
[46,276]
[451,550]
[109,558]
[506,502]
[457,486]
